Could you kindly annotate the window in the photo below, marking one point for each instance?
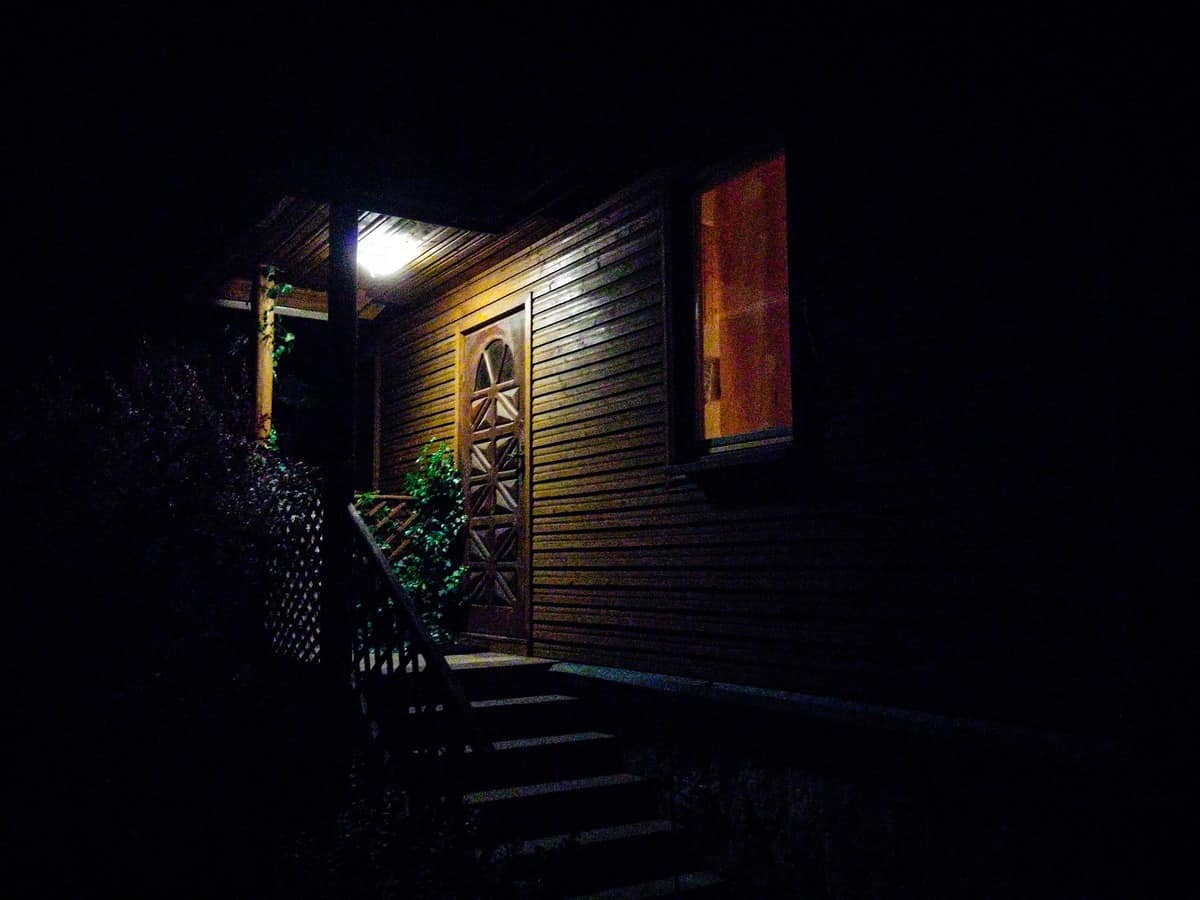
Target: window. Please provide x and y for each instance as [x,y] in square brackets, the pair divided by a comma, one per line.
[731,327]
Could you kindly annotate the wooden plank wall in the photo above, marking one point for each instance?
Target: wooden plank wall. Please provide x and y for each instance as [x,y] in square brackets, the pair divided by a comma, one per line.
[949,555]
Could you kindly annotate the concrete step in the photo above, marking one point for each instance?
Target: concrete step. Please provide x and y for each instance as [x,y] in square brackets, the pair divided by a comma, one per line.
[543,758]
[587,860]
[687,884]
[503,718]
[554,807]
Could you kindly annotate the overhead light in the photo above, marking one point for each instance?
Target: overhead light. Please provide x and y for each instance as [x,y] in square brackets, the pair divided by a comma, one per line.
[382,253]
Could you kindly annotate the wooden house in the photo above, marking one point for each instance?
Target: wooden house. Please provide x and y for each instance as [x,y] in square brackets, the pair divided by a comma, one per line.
[766,418]
[819,404]
[822,419]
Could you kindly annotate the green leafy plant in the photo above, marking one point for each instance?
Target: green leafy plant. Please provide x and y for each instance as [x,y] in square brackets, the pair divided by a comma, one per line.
[278,287]
[429,570]
[284,339]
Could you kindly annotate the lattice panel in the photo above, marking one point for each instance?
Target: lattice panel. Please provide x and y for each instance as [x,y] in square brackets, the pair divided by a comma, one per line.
[387,515]
[294,601]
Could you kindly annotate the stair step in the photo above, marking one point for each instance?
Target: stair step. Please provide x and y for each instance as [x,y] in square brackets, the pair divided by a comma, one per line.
[694,884]
[551,807]
[486,675]
[518,717]
[544,758]
[586,860]
[599,837]
[517,702]
[490,659]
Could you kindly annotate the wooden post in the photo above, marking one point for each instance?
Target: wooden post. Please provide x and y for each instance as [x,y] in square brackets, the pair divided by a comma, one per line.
[341,443]
[264,349]
[376,410]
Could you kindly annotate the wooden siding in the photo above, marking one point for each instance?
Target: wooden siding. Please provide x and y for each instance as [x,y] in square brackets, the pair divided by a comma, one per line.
[949,555]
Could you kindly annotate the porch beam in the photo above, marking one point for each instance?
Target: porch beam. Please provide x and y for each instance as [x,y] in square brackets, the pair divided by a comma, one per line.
[280,311]
[237,293]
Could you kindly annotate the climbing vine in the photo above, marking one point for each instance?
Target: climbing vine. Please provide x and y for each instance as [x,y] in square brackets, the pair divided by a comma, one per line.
[284,339]
[429,571]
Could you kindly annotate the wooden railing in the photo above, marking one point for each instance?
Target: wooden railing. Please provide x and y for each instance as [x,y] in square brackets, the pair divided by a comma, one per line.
[413,704]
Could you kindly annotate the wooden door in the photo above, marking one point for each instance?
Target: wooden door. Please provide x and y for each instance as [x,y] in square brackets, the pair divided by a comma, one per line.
[491,448]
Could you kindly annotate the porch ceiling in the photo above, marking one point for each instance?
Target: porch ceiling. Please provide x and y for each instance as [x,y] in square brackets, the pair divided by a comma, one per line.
[294,236]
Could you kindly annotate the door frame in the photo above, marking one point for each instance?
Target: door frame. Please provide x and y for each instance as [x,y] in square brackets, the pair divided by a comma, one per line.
[481,318]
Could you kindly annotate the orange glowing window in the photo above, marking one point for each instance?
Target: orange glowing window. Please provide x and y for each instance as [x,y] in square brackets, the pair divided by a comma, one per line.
[744,375]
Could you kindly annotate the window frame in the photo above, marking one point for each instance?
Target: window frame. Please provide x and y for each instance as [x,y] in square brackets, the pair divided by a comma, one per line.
[687,452]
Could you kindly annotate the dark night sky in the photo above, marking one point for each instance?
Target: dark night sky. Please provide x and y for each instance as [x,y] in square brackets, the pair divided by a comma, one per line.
[144,144]
[1058,141]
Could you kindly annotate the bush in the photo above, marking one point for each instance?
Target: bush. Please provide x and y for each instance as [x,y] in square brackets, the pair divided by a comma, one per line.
[141,481]
[151,741]
[428,571]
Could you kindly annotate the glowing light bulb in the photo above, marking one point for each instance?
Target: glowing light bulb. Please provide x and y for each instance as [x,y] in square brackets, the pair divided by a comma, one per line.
[382,253]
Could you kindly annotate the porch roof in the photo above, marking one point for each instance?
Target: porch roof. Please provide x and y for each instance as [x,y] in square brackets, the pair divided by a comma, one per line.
[294,236]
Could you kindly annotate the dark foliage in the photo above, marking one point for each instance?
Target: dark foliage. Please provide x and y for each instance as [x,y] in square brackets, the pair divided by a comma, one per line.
[162,751]
[141,478]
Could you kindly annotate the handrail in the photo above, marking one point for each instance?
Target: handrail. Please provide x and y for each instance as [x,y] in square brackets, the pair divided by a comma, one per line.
[422,647]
